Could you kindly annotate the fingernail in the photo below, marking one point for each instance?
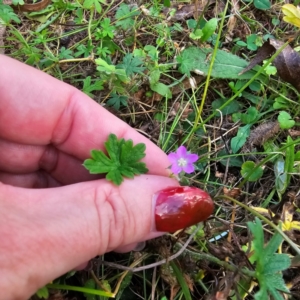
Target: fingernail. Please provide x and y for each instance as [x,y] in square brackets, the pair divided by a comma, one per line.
[180,207]
[139,246]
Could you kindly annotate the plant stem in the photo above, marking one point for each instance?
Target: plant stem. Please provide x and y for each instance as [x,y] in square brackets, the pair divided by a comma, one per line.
[213,259]
[200,108]
[254,212]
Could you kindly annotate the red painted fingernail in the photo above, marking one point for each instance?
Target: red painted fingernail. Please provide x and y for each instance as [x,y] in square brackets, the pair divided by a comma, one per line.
[180,207]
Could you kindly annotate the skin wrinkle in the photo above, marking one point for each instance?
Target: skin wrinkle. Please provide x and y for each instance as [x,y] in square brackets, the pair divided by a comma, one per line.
[99,203]
[113,223]
[117,220]
[15,155]
[42,180]
[49,158]
[63,129]
[25,180]
[39,179]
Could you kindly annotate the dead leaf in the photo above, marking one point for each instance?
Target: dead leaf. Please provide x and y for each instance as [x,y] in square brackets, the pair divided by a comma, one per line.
[233,193]
[287,62]
[230,28]
[262,133]
[184,12]
[183,109]
[294,133]
[287,216]
[232,21]
[32,7]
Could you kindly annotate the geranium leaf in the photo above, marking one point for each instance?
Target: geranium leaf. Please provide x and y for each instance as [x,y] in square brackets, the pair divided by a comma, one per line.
[122,160]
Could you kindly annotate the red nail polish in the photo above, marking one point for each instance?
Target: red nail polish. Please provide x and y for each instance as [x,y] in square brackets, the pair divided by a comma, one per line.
[180,207]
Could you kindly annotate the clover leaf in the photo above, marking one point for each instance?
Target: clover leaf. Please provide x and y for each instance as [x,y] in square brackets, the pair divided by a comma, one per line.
[122,160]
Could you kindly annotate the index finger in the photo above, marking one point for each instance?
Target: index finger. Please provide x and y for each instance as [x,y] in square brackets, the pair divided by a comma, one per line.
[38,109]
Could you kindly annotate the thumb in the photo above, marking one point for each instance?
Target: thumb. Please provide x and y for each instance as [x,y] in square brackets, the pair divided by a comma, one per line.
[49,232]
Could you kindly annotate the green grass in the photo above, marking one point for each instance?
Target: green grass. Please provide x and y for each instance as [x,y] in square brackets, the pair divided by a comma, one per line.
[140,63]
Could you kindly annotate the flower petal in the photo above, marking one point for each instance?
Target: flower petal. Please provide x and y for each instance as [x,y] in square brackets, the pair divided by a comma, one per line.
[189,168]
[173,157]
[176,169]
[181,152]
[191,157]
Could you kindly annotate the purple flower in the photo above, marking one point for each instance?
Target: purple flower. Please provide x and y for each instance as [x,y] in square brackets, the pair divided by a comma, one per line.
[182,160]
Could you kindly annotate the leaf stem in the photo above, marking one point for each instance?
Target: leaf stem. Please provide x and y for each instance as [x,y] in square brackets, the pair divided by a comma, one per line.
[213,259]
[80,289]
[200,108]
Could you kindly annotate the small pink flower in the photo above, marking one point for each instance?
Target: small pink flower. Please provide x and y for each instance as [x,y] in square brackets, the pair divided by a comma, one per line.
[182,160]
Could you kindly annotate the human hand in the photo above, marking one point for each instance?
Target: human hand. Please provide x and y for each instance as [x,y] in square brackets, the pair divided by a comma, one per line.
[54,215]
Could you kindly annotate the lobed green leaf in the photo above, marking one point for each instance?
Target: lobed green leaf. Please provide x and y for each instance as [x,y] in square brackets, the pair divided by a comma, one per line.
[277,263]
[122,160]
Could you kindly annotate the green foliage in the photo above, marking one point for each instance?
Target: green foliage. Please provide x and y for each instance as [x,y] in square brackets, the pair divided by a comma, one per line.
[131,64]
[280,175]
[249,117]
[91,4]
[251,171]
[161,89]
[252,42]
[269,264]
[167,3]
[117,101]
[90,284]
[231,108]
[280,103]
[226,64]
[270,69]
[236,86]
[42,293]
[18,2]
[123,160]
[240,139]
[232,161]
[181,280]
[125,16]
[262,4]
[65,53]
[107,28]
[196,34]
[125,283]
[208,30]
[7,14]
[84,50]
[204,33]
[89,87]
[284,167]
[115,77]
[103,51]
[285,120]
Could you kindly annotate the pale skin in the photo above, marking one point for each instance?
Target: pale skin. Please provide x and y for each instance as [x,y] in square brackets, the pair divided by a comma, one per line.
[54,216]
